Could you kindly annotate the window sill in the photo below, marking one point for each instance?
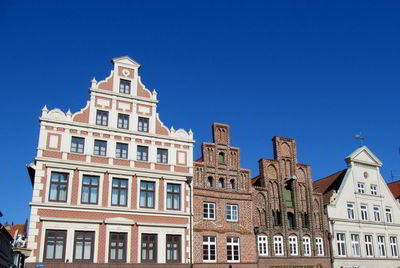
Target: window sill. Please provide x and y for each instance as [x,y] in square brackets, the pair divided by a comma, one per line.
[207,219]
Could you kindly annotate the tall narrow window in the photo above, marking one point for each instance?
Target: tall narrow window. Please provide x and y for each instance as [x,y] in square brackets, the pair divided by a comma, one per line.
[221,183]
[147,189]
[143,124]
[374,189]
[117,247]
[369,251]
[393,246]
[209,249]
[77,145]
[142,153]
[262,245]
[232,247]
[162,156]
[121,151]
[319,246]
[83,246]
[341,244]
[231,212]
[364,212]
[173,248]
[102,118]
[123,121]
[350,211]
[361,188]
[355,245]
[124,86]
[232,184]
[377,213]
[173,196]
[119,192]
[291,220]
[381,246]
[209,181]
[221,158]
[209,211]
[278,245]
[100,148]
[388,212]
[58,187]
[149,248]
[307,246]
[55,243]
[293,245]
[90,189]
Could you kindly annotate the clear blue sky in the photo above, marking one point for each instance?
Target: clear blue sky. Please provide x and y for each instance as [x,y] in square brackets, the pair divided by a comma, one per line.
[317,71]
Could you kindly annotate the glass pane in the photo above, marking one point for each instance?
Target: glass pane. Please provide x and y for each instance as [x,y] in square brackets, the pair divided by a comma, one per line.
[86,180]
[169,201]
[78,250]
[93,195]
[176,201]
[120,254]
[95,181]
[53,192]
[122,197]
[144,254]
[150,199]
[150,186]
[55,177]
[50,250]
[114,197]
[112,253]
[124,183]
[59,250]
[85,194]
[142,199]
[63,193]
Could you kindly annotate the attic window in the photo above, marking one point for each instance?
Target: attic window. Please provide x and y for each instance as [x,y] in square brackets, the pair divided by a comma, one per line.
[124,86]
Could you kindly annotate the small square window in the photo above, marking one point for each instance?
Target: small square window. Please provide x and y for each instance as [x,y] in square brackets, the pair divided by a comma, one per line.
[162,156]
[77,145]
[143,124]
[123,121]
[124,86]
[102,118]
[121,151]
[100,148]
[142,153]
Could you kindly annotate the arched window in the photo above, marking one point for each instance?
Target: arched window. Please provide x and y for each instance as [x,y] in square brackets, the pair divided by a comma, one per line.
[232,184]
[210,181]
[293,245]
[276,215]
[221,157]
[221,183]
[307,245]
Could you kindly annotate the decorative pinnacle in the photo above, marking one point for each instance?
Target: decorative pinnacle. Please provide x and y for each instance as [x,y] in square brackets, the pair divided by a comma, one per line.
[94,80]
[45,109]
[69,112]
[172,128]
[154,92]
[190,132]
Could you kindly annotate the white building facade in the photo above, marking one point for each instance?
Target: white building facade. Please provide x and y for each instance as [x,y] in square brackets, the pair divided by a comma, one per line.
[364,218]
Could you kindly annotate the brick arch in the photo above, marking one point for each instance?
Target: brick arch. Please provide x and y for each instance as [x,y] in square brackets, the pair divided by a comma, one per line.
[272,173]
[285,149]
[301,175]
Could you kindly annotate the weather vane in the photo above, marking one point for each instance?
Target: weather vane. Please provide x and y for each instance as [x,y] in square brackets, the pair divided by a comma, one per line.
[359,137]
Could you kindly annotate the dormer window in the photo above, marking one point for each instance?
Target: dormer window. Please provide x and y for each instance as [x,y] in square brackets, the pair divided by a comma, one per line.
[222,158]
[124,86]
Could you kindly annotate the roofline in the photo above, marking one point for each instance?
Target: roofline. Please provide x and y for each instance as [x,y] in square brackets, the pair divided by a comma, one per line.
[330,175]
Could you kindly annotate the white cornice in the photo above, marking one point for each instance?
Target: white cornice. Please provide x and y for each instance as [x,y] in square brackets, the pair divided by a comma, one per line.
[69,220]
[162,224]
[125,96]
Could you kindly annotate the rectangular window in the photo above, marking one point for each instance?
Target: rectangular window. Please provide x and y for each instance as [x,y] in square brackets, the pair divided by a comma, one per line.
[147,189]
[77,145]
[377,213]
[124,86]
[123,121]
[393,246]
[364,212]
[209,211]
[149,248]
[350,211]
[100,148]
[102,118]
[162,156]
[119,194]
[83,246]
[319,246]
[121,151]
[381,246]
[374,189]
[58,187]
[173,196]
[369,251]
[143,124]
[262,245]
[173,249]
[232,247]
[307,246]
[388,212]
[117,247]
[341,244]
[55,245]
[361,188]
[209,249]
[90,189]
[278,245]
[142,153]
[355,245]
[293,245]
[231,212]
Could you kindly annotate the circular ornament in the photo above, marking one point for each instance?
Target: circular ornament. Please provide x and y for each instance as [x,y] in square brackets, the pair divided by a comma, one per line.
[365,174]
[125,72]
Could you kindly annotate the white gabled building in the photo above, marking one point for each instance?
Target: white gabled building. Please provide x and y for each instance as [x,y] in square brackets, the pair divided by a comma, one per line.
[364,217]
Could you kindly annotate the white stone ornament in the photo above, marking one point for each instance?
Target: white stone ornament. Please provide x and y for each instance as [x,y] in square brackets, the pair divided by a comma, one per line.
[125,72]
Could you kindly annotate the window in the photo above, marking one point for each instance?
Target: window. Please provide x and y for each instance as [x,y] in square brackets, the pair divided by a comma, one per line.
[210,181]
[381,246]
[388,214]
[350,211]
[102,118]
[100,148]
[374,189]
[83,246]
[117,247]
[368,246]
[307,246]
[377,213]
[77,145]
[143,124]
[262,245]
[276,215]
[360,188]
[90,190]
[232,247]
[278,245]
[142,153]
[149,248]
[364,212]
[293,245]
[291,220]
[393,246]
[341,247]
[122,151]
[162,156]
[221,158]
[58,187]
[221,183]
[119,195]
[231,212]
[209,211]
[174,248]
[123,121]
[209,249]
[319,246]
[232,184]
[147,189]
[55,245]
[124,86]
[304,220]
[173,196]
[355,245]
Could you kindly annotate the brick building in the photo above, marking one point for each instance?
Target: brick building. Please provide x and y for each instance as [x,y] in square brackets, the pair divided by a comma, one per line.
[222,225]
[288,216]
[110,181]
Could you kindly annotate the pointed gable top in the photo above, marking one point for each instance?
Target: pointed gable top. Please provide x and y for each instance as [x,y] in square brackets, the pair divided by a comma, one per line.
[365,156]
[125,60]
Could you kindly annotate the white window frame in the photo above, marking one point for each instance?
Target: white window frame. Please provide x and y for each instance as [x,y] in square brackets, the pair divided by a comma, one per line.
[350,211]
[389,215]
[377,213]
[360,187]
[293,245]
[319,246]
[355,245]
[369,245]
[262,245]
[341,244]
[393,246]
[209,244]
[278,245]
[381,246]
[210,205]
[307,245]
[230,211]
[234,244]
[364,212]
[374,189]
